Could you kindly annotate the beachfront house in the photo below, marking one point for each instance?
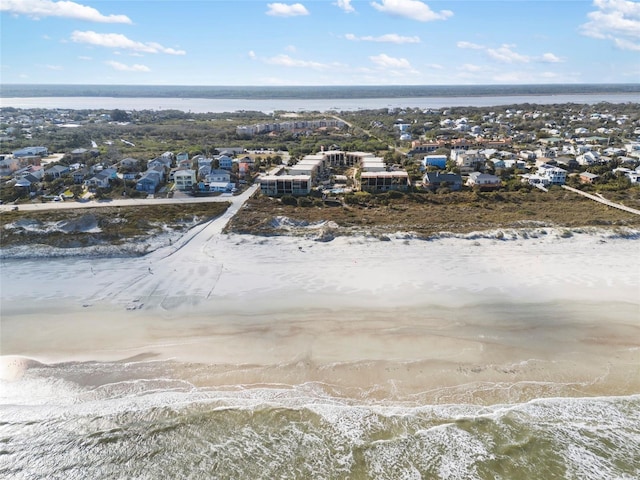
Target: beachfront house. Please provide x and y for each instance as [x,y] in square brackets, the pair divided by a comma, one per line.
[554,175]
[435,180]
[374,182]
[483,180]
[218,175]
[276,185]
[149,182]
[184,179]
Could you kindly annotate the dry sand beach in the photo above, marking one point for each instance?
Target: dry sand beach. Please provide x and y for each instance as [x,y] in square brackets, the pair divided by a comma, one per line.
[475,325]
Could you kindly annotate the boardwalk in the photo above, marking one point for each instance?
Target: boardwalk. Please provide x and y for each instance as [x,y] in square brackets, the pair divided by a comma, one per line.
[602,200]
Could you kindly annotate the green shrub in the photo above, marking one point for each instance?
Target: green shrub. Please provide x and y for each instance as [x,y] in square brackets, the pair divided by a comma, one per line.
[289,200]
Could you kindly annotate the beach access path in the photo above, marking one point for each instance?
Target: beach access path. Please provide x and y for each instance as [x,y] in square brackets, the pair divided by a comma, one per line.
[599,198]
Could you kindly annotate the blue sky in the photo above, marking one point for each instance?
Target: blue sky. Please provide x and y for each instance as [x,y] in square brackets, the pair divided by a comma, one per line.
[319,42]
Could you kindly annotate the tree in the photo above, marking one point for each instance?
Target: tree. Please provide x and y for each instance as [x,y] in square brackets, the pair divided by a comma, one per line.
[118,115]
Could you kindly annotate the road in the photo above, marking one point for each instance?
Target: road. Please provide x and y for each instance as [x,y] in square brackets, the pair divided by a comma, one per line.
[130,202]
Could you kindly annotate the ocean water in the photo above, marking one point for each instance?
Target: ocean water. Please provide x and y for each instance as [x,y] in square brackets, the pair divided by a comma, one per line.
[160,419]
[310,99]
[221,105]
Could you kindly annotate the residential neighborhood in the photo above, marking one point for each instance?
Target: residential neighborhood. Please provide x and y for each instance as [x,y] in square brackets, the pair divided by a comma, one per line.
[415,150]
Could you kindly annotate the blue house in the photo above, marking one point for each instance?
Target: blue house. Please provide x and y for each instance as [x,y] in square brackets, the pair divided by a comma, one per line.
[225,162]
[148,182]
[439,161]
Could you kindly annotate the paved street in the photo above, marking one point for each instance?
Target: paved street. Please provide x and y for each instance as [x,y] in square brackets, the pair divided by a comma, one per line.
[130,202]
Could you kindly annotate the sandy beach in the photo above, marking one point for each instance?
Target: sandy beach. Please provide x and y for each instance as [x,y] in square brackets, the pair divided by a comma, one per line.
[480,318]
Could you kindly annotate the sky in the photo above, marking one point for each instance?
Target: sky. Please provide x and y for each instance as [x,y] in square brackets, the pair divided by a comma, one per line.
[319,42]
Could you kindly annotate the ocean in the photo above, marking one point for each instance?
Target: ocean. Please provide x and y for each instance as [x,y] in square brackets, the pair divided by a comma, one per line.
[310,99]
[155,419]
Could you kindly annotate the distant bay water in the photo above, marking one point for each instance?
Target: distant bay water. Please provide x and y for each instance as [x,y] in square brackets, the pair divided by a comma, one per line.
[300,99]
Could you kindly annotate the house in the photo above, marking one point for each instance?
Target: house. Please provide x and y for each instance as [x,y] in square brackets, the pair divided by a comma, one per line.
[225,162]
[202,161]
[130,164]
[56,171]
[468,160]
[8,165]
[568,162]
[31,152]
[483,180]
[148,182]
[184,164]
[219,175]
[224,187]
[158,170]
[384,181]
[164,162]
[588,177]
[184,179]
[435,180]
[79,154]
[230,151]
[204,170]
[101,179]
[27,182]
[439,161]
[589,158]
[182,156]
[554,175]
[274,185]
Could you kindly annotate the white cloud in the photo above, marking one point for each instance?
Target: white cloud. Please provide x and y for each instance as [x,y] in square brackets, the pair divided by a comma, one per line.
[385,61]
[413,9]
[507,55]
[345,5]
[626,44]
[550,58]
[287,61]
[387,38]
[252,55]
[291,48]
[286,10]
[117,40]
[54,67]
[127,68]
[472,46]
[469,67]
[435,66]
[85,58]
[48,8]
[615,20]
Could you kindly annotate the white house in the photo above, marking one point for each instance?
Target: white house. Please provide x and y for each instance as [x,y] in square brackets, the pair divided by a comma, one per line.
[483,180]
[588,158]
[554,175]
[184,179]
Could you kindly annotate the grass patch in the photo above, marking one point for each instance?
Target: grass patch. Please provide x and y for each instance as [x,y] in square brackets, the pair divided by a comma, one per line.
[105,225]
[428,214]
